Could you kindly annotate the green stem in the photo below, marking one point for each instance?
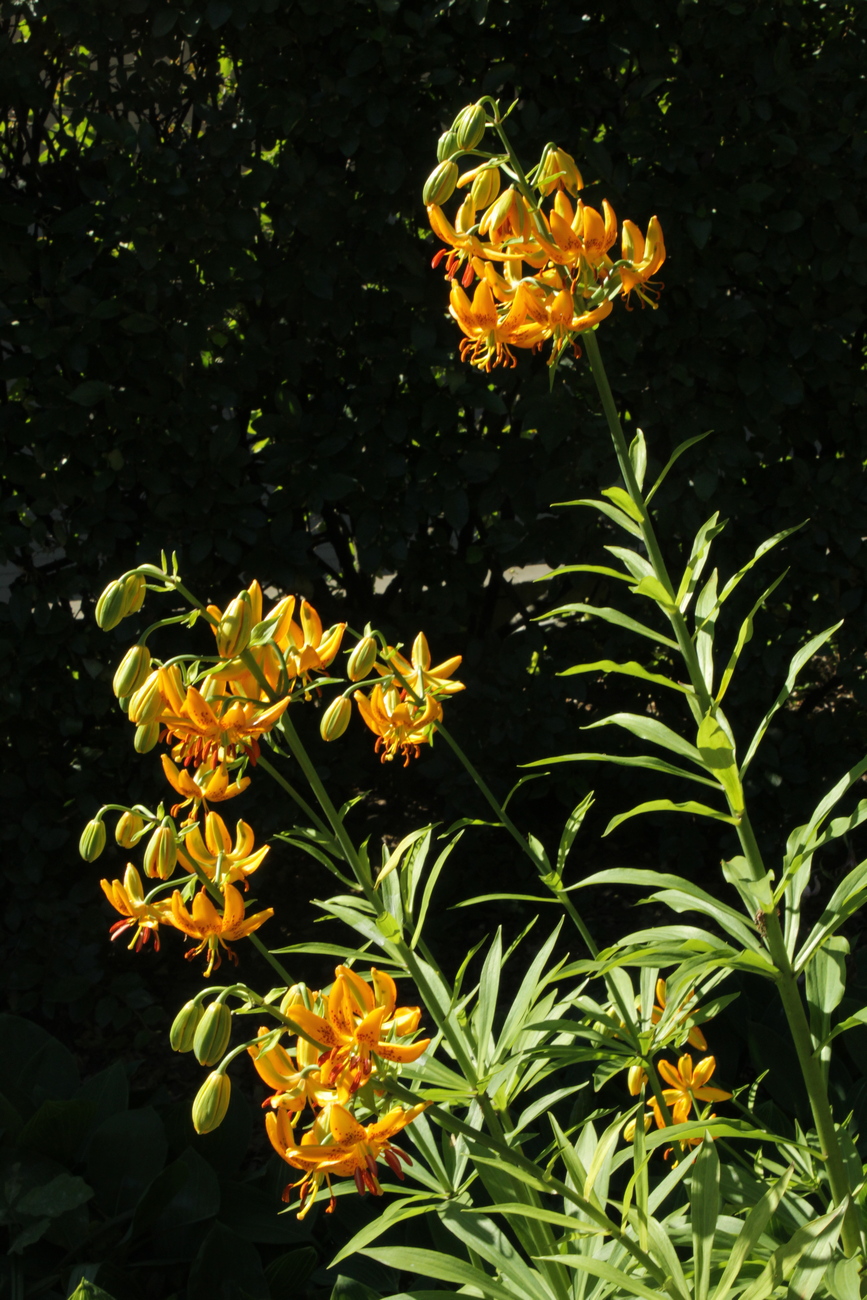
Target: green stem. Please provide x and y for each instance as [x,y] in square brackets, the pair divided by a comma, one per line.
[787,982]
[293,793]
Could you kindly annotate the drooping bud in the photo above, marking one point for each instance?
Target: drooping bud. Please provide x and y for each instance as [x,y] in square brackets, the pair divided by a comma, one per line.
[293,995]
[111,607]
[469,126]
[439,186]
[92,840]
[132,671]
[147,703]
[635,1079]
[184,1026]
[146,736]
[128,830]
[134,587]
[212,1034]
[446,146]
[362,659]
[485,187]
[161,853]
[335,719]
[211,1102]
[233,632]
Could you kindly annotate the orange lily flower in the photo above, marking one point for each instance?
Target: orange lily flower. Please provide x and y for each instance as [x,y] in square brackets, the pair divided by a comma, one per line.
[307,649]
[418,676]
[204,737]
[687,1086]
[397,722]
[338,1145]
[645,258]
[215,853]
[204,787]
[295,1085]
[360,1023]
[212,928]
[490,336]
[129,899]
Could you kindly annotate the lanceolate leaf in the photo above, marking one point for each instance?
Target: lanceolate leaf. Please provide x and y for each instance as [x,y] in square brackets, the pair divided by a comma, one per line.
[629,669]
[678,451]
[744,635]
[754,1225]
[649,761]
[666,805]
[649,729]
[445,1268]
[614,616]
[616,516]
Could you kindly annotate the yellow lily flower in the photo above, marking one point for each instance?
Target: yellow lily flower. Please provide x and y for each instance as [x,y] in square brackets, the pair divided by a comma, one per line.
[215,854]
[397,722]
[490,336]
[296,1085]
[645,256]
[352,1151]
[307,648]
[687,1086]
[129,899]
[212,928]
[463,245]
[360,1023]
[418,675]
[695,1037]
[207,785]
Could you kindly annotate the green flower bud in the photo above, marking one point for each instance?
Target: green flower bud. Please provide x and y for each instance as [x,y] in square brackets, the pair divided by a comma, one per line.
[92,840]
[440,185]
[469,126]
[111,607]
[128,830]
[146,737]
[211,1102]
[212,1034]
[446,146]
[362,659]
[293,995]
[184,1026]
[335,719]
[134,587]
[233,632]
[485,187]
[161,854]
[147,703]
[133,671]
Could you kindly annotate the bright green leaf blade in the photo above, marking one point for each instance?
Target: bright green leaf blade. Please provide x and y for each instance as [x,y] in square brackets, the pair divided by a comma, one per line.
[666,805]
[629,669]
[754,1226]
[444,1268]
[704,1211]
[610,615]
[649,729]
[678,452]
[649,761]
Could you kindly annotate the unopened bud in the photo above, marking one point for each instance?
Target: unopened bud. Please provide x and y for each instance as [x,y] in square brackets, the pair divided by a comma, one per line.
[212,1034]
[146,736]
[133,671]
[211,1102]
[485,187]
[233,632]
[161,854]
[92,840]
[362,659]
[635,1079]
[128,830]
[111,607]
[147,703]
[134,587]
[439,186]
[184,1026]
[446,146]
[559,171]
[292,997]
[469,126]
[335,719]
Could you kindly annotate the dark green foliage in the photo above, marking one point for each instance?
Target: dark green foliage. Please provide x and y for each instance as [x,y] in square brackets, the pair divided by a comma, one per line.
[221,335]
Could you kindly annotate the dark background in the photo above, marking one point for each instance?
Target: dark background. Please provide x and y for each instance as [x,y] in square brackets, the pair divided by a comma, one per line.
[221,335]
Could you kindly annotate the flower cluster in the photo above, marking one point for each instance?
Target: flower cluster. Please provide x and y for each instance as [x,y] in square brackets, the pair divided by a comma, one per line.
[687,1084]
[342,1058]
[542,273]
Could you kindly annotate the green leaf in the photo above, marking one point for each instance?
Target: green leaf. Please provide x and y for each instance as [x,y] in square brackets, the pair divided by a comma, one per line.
[50,1200]
[637,565]
[489,987]
[629,669]
[717,750]
[819,1239]
[753,1229]
[673,889]
[649,729]
[675,455]
[666,805]
[89,1291]
[622,499]
[392,860]
[654,590]
[706,608]
[618,517]
[584,568]
[697,560]
[616,1277]
[429,884]
[704,1204]
[525,997]
[744,635]
[482,1236]
[126,1153]
[649,761]
[571,829]
[803,656]
[444,1268]
[614,616]
[760,551]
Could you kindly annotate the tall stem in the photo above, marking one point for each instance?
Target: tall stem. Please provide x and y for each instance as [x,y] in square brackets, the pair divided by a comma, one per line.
[786,982]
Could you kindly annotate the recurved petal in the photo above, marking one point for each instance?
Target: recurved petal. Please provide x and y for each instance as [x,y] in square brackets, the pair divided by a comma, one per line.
[198,710]
[402,1053]
[345,1129]
[217,835]
[384,989]
[358,988]
[180,779]
[314,1026]
[369,1029]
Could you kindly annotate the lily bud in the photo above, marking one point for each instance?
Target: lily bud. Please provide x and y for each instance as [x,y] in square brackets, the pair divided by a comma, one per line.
[211,1102]
[335,719]
[233,632]
[146,704]
[469,126]
[128,830]
[92,840]
[439,186]
[635,1079]
[134,587]
[184,1026]
[362,659]
[133,671]
[485,187]
[161,854]
[111,607]
[146,736]
[212,1034]
[446,146]
[293,995]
